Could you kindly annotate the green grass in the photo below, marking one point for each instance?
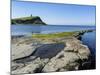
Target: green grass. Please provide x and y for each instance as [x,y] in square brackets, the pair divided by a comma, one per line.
[55,35]
[26,18]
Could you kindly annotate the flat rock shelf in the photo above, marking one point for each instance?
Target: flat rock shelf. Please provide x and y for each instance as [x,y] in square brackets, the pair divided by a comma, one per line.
[32,55]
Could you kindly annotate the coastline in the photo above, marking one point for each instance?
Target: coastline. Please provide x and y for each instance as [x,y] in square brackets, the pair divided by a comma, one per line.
[28,20]
[68,51]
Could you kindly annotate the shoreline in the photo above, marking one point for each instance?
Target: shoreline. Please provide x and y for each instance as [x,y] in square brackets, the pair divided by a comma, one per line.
[76,33]
[40,51]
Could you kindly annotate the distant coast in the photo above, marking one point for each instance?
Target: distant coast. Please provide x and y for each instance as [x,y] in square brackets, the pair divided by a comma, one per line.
[35,20]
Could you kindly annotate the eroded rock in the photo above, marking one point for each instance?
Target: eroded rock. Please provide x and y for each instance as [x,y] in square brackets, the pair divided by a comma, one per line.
[65,55]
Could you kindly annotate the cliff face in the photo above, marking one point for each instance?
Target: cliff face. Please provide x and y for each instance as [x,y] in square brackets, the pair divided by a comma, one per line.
[28,20]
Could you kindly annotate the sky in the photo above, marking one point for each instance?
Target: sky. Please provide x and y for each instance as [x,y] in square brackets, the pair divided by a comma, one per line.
[55,14]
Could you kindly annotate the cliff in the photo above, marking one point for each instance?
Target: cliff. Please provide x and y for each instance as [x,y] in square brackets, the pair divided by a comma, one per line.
[28,20]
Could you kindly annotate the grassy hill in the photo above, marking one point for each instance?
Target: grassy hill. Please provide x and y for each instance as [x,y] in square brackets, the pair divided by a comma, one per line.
[28,20]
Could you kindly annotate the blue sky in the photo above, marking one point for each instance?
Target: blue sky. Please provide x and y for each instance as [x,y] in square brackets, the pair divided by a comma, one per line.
[55,14]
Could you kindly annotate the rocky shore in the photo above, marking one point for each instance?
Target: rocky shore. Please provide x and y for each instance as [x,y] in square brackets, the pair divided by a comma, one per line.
[32,55]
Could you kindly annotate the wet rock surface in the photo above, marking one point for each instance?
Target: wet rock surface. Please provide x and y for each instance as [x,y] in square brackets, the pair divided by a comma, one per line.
[35,56]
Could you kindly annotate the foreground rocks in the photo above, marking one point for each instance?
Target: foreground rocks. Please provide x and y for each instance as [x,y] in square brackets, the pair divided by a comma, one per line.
[36,56]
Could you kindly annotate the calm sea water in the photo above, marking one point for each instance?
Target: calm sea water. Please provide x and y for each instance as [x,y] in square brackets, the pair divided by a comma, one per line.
[29,29]
[88,38]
